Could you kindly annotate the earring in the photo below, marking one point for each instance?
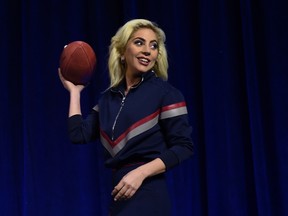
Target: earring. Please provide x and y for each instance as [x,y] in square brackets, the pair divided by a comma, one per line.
[122,59]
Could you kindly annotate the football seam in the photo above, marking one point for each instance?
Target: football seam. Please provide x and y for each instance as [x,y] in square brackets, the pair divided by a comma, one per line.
[91,67]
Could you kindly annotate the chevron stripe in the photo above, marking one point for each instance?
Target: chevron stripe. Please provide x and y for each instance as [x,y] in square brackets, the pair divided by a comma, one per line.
[141,126]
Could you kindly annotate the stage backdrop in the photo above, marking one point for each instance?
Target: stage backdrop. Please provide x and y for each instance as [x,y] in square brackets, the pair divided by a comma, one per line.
[228,57]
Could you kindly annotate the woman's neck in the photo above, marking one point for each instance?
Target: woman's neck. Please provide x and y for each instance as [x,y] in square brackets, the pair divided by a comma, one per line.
[131,81]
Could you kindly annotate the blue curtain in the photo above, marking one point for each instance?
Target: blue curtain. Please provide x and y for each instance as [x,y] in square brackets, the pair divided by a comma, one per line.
[230,60]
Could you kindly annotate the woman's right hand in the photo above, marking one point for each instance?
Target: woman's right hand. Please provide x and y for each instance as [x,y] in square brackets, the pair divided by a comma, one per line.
[69,85]
[74,90]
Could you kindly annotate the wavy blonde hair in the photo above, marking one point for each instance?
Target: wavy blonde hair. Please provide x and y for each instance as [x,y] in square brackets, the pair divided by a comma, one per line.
[118,46]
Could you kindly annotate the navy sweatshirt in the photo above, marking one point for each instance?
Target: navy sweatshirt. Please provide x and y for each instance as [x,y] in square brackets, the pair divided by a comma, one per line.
[150,122]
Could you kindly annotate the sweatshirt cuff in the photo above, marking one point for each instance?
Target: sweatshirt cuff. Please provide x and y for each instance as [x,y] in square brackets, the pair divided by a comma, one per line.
[74,120]
[170,159]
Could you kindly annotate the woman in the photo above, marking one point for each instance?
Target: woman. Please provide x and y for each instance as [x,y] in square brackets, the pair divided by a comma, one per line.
[141,120]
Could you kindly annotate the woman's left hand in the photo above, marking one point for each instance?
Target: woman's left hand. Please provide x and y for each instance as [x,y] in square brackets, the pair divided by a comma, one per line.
[128,185]
[131,182]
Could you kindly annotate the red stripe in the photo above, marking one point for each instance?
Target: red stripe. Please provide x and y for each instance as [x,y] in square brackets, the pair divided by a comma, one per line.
[173,106]
[106,137]
[135,125]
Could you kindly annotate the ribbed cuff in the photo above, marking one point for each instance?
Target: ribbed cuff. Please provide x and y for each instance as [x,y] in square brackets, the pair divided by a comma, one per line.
[170,159]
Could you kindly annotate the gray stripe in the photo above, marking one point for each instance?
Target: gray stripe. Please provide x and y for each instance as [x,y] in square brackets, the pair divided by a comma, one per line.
[136,131]
[107,145]
[173,112]
[141,128]
[96,108]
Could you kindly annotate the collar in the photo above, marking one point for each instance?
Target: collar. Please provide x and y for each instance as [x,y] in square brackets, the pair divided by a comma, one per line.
[145,76]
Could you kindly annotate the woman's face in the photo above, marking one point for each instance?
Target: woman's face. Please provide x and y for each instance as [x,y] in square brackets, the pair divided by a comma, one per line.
[141,51]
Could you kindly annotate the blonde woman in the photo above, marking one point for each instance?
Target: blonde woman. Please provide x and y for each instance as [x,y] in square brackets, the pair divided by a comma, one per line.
[141,120]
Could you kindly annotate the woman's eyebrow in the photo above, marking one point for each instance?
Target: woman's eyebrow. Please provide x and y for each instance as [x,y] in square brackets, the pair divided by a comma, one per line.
[140,38]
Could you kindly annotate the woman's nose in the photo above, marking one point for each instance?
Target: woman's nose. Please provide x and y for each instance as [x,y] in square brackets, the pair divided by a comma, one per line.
[146,53]
[146,50]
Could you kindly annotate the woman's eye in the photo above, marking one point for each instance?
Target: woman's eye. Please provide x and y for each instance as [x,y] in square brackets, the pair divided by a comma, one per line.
[138,42]
[154,46]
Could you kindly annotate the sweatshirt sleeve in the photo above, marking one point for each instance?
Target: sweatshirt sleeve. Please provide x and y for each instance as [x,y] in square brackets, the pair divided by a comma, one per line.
[176,129]
[81,131]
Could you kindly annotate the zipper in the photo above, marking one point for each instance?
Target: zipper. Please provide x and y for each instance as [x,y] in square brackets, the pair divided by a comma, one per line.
[121,106]
[117,116]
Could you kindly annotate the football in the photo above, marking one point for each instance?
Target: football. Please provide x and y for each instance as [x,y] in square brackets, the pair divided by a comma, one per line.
[78,62]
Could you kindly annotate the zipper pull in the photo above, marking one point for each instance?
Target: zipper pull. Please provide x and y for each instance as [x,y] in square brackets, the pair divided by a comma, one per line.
[123,100]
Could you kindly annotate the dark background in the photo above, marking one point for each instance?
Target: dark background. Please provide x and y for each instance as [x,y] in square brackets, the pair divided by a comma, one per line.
[228,57]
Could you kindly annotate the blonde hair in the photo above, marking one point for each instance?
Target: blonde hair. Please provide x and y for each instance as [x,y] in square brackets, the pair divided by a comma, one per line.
[118,46]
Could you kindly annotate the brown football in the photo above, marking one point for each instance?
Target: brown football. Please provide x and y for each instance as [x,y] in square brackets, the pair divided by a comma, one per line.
[78,62]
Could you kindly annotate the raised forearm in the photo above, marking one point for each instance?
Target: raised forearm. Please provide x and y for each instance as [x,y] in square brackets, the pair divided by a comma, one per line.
[74,106]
